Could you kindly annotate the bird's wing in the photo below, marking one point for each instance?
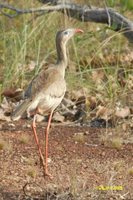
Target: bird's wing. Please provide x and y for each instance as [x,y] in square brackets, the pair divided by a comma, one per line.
[28,91]
[20,109]
[49,81]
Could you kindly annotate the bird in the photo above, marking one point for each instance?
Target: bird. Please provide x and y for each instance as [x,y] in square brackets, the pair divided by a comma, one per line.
[46,91]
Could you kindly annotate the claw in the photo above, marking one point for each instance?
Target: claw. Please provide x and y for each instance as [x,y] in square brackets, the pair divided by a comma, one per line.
[49,175]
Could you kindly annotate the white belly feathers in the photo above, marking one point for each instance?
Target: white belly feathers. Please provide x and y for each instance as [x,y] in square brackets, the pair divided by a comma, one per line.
[45,104]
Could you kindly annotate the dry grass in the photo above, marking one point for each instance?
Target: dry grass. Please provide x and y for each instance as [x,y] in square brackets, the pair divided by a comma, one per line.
[31,172]
[112,140]
[118,165]
[4,145]
[79,137]
[116,143]
[24,139]
[130,171]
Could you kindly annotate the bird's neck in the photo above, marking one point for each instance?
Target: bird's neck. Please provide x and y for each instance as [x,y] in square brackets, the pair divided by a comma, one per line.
[62,60]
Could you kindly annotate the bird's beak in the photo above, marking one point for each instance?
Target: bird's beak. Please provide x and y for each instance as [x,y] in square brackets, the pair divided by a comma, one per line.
[78,31]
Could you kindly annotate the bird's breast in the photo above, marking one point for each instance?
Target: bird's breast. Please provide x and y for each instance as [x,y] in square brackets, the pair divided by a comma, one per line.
[48,98]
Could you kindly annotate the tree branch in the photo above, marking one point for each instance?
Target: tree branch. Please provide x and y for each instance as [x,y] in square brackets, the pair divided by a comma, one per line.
[82,13]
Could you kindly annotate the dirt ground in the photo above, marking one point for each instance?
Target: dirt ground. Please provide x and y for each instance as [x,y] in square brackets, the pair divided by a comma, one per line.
[82,167]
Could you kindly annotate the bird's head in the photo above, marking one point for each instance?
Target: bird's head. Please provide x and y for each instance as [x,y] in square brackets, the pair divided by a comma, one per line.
[65,35]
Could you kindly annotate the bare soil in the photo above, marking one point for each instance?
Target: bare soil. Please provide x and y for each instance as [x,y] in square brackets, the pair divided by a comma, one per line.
[82,167]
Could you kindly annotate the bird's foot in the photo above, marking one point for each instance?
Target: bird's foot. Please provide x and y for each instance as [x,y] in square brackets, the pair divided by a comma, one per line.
[45,170]
[47,174]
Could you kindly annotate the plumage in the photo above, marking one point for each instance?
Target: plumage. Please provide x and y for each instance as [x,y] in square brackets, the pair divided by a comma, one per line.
[40,94]
[46,91]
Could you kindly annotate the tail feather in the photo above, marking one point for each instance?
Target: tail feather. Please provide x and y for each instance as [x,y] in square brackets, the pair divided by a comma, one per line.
[19,111]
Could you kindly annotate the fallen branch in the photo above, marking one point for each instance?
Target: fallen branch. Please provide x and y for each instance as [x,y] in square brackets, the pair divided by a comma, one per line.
[82,13]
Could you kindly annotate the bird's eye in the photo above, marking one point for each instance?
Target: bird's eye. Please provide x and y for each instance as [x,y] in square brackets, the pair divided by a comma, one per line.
[66,33]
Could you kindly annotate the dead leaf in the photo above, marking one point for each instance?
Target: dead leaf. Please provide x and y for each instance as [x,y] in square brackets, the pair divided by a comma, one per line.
[98,76]
[67,102]
[91,102]
[58,117]
[13,94]
[39,118]
[31,65]
[104,113]
[121,77]
[76,94]
[130,82]
[122,112]
[81,100]
[131,110]
[3,117]
[6,106]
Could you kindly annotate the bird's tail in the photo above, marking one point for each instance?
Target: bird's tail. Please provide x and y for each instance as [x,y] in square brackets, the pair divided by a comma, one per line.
[19,111]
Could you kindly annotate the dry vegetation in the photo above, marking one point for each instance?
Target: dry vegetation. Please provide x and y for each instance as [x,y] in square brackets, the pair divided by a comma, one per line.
[100,59]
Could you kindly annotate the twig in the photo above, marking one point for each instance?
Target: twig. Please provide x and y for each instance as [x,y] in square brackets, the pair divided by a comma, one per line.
[82,13]
[29,196]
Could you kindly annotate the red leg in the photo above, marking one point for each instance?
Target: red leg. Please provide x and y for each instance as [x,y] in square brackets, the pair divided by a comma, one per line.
[46,145]
[37,141]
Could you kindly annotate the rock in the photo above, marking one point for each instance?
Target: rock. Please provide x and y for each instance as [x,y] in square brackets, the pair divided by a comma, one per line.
[39,118]
[4,104]
[122,112]
[58,117]
[11,125]
[100,123]
[3,117]
[67,102]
